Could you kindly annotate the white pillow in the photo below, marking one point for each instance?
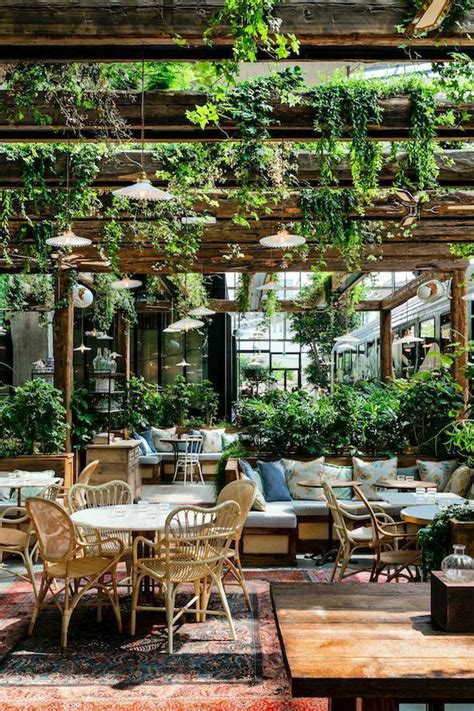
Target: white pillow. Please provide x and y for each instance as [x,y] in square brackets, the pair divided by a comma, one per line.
[157,434]
[296,471]
[212,441]
[369,473]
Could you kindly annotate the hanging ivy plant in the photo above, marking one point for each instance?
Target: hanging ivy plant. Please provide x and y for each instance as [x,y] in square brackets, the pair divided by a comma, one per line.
[242,293]
[108,302]
[252,25]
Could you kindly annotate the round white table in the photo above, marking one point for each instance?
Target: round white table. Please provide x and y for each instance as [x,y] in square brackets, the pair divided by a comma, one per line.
[135,519]
[420,515]
[19,483]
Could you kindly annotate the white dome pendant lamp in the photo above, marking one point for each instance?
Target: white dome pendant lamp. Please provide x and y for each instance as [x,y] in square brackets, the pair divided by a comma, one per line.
[142,189]
[68,239]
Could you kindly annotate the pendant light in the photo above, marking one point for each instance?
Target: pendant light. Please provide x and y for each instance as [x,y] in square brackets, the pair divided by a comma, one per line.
[142,189]
[201,311]
[186,324]
[125,283]
[67,239]
[183,364]
[282,240]
[82,348]
[408,339]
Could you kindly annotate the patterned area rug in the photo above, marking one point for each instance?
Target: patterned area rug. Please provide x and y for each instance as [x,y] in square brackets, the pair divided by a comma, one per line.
[104,670]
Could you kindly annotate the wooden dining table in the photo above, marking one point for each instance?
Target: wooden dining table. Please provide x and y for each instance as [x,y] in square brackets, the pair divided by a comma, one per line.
[369,646]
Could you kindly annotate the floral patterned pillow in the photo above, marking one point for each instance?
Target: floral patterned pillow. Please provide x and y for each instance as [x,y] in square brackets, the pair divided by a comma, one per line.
[298,471]
[212,440]
[341,473]
[369,473]
[460,480]
[438,473]
[157,434]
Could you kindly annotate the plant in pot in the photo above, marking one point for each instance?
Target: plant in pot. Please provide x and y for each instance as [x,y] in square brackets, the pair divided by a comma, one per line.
[256,375]
[35,418]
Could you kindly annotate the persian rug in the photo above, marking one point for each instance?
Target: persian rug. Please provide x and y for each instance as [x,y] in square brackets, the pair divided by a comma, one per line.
[104,670]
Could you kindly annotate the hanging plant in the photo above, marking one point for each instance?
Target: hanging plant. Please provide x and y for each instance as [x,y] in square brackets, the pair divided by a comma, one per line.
[270,304]
[108,302]
[252,26]
[242,293]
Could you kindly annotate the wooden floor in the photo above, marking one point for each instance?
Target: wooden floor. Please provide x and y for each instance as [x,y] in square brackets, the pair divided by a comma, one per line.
[370,641]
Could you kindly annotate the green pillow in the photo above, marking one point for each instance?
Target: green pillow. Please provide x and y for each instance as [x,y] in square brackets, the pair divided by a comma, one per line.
[333,471]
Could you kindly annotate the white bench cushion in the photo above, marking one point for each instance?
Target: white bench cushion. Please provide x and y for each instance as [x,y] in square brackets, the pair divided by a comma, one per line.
[149,459]
[204,456]
[310,508]
[278,514]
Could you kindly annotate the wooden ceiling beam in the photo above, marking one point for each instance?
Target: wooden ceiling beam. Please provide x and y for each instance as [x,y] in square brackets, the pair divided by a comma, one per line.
[166,121]
[229,306]
[118,30]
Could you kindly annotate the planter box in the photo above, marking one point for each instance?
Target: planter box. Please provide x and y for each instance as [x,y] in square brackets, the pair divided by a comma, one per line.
[462,532]
[61,464]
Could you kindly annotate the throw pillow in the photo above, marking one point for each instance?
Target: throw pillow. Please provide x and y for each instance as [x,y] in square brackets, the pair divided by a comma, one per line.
[229,438]
[459,481]
[142,443]
[437,472]
[274,482]
[259,503]
[158,433]
[341,473]
[212,440]
[296,471]
[148,437]
[252,474]
[369,473]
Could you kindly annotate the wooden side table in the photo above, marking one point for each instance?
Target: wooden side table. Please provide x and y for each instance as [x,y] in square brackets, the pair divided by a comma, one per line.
[118,460]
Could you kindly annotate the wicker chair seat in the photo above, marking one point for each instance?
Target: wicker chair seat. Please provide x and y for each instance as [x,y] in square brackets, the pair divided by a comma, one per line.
[79,567]
[13,537]
[181,570]
[400,557]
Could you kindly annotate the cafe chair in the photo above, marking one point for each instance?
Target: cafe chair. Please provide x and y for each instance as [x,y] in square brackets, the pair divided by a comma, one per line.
[86,474]
[113,493]
[188,459]
[194,547]
[351,532]
[243,492]
[81,567]
[17,537]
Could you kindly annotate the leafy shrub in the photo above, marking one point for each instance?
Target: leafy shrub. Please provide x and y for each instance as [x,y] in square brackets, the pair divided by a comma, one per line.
[144,405]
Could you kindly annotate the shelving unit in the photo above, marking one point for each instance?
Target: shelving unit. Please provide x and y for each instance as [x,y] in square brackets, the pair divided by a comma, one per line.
[110,400]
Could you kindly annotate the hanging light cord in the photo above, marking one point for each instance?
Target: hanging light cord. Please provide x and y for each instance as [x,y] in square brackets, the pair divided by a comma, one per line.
[142,111]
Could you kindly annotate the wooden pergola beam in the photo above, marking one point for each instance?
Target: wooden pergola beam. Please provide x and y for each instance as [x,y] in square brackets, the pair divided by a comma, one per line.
[166,121]
[229,306]
[456,170]
[120,30]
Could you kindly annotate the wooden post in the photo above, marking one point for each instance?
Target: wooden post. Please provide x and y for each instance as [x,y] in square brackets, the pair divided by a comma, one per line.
[63,343]
[123,346]
[459,326]
[386,360]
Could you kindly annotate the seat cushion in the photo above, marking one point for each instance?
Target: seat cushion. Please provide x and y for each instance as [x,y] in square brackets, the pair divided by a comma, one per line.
[274,482]
[369,473]
[438,473]
[12,537]
[296,471]
[277,514]
[149,459]
[79,567]
[310,508]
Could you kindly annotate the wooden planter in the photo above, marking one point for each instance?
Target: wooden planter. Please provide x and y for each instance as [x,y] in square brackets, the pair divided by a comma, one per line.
[61,464]
[462,532]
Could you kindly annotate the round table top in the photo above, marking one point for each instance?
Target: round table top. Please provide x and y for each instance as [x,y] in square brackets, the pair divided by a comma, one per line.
[410,485]
[136,518]
[420,514]
[6,483]
[332,482]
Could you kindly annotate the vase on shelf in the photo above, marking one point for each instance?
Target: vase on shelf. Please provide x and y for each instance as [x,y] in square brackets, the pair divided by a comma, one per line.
[458,566]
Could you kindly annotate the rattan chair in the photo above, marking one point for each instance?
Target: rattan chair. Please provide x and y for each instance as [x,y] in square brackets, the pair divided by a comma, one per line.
[113,493]
[188,460]
[17,541]
[80,566]
[243,492]
[194,548]
[86,474]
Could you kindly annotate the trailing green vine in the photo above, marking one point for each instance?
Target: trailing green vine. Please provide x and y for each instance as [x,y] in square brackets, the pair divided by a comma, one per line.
[242,293]
[435,538]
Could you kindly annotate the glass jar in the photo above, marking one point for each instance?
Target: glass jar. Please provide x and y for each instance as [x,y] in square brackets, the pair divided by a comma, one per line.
[458,565]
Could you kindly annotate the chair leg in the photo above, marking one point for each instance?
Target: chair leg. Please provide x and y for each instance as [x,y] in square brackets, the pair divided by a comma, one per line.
[99,600]
[66,615]
[237,572]
[336,563]
[135,593]
[344,565]
[200,472]
[39,602]
[116,603]
[29,569]
[169,604]
[197,593]
[225,605]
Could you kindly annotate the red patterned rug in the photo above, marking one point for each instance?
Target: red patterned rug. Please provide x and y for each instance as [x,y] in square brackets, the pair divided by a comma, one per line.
[104,670]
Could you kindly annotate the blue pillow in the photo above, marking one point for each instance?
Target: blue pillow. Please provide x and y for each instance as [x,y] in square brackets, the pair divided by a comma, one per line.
[274,481]
[148,437]
[143,444]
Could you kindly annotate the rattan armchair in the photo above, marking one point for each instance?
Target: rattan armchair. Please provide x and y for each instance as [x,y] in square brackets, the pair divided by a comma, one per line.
[195,546]
[243,492]
[17,537]
[86,474]
[80,566]
[113,493]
